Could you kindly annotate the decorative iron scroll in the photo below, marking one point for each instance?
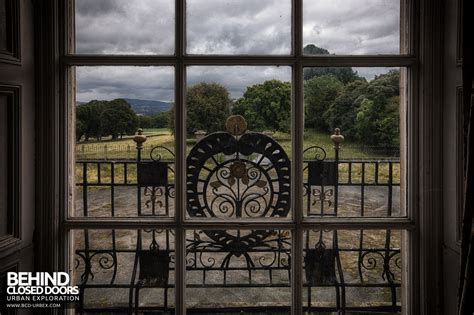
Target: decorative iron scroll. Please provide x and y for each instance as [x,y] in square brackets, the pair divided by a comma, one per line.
[247,176]
[238,175]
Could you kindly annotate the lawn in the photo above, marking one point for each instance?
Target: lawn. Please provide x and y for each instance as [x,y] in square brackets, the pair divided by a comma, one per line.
[125,148]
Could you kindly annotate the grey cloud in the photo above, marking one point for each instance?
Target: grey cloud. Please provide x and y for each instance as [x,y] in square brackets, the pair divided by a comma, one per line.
[237,78]
[110,82]
[226,27]
[353,26]
[245,27]
[98,8]
[125,27]
[157,83]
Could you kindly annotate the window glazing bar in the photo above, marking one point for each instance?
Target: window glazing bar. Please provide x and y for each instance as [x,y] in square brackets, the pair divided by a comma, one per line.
[330,223]
[306,61]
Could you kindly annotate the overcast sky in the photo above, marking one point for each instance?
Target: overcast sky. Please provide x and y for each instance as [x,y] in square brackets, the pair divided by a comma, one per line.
[221,27]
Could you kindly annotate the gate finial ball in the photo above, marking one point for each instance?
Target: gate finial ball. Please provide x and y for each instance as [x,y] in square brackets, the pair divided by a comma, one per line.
[139,138]
[337,138]
[236,125]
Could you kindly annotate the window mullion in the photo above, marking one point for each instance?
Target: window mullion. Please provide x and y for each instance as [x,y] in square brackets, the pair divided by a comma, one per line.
[180,127]
[297,160]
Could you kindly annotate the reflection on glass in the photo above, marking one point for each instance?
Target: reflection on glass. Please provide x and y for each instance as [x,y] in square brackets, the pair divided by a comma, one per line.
[124,269]
[351,27]
[238,270]
[362,176]
[124,27]
[112,103]
[238,27]
[352,269]
[239,142]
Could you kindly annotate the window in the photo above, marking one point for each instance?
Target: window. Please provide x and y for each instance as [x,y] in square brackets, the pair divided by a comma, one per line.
[269,210]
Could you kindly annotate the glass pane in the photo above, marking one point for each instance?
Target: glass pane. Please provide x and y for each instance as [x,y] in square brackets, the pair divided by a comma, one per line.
[239,142]
[352,270]
[113,177]
[238,271]
[119,270]
[351,27]
[364,176]
[231,27]
[124,27]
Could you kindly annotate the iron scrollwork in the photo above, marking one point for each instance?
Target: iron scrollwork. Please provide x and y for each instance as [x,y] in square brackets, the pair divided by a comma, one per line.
[243,176]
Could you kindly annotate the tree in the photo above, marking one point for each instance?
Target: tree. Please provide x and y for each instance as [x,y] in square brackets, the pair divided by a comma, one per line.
[145,121]
[161,120]
[343,74]
[377,119]
[319,93]
[208,106]
[88,119]
[118,119]
[101,118]
[266,106]
[342,112]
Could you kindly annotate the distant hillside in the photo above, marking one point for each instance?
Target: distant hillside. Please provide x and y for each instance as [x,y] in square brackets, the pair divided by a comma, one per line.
[146,107]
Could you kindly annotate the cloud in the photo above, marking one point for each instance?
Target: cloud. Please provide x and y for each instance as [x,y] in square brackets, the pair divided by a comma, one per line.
[353,26]
[124,26]
[236,78]
[111,82]
[221,27]
[239,27]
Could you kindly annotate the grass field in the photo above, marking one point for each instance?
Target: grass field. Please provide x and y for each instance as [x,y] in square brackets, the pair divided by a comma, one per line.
[125,148]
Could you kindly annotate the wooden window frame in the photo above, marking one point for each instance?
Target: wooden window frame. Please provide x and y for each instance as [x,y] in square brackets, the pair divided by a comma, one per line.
[422,225]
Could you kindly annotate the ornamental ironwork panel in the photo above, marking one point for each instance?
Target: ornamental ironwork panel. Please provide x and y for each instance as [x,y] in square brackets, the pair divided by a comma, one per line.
[154,267]
[151,173]
[320,266]
[322,173]
[246,176]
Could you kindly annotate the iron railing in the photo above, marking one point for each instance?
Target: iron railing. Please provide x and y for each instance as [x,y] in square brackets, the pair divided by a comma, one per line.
[262,258]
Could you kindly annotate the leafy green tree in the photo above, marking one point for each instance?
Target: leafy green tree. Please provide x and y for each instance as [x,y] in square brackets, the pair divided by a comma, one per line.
[80,129]
[118,119]
[343,74]
[208,106]
[161,120]
[319,93]
[377,119]
[102,118]
[88,119]
[145,121]
[266,106]
[342,112]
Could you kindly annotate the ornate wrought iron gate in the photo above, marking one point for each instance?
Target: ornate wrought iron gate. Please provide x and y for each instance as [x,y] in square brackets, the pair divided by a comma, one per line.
[239,174]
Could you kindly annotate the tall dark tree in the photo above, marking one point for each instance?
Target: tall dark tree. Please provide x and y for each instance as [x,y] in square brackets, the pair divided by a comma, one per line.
[343,74]
[118,119]
[208,106]
[145,121]
[105,118]
[266,106]
[377,121]
[161,120]
[342,112]
[88,119]
[319,93]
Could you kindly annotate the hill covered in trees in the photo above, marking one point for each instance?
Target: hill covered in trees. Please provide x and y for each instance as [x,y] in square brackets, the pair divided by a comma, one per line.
[147,107]
[365,111]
